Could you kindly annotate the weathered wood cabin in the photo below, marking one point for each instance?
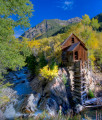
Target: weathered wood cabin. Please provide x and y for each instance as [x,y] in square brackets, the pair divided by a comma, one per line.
[73,49]
[74,57]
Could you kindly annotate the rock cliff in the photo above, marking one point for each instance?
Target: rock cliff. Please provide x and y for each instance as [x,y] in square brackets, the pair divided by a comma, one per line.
[53,93]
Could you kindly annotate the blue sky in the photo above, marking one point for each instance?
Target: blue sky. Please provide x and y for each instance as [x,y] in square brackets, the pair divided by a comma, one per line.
[62,9]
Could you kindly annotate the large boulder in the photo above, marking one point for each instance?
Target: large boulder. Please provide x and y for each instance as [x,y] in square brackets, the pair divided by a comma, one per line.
[51,90]
[29,104]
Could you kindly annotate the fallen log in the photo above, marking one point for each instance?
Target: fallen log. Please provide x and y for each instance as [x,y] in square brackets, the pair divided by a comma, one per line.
[94,102]
[94,106]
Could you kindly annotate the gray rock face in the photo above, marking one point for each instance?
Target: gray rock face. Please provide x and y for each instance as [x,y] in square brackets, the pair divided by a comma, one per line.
[53,94]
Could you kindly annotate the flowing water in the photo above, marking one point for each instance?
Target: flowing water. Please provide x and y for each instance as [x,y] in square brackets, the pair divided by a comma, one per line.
[22,87]
[20,81]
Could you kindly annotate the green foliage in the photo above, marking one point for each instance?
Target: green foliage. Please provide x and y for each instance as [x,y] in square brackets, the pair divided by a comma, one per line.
[34,63]
[86,20]
[42,61]
[95,24]
[13,13]
[31,63]
[52,65]
[21,9]
[91,94]
[64,29]
[64,79]
[99,18]
[10,57]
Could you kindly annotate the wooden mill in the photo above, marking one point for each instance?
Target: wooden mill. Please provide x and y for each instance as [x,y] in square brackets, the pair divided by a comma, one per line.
[74,56]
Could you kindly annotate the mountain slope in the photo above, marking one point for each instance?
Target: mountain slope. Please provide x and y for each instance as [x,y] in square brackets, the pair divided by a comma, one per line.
[48,27]
[64,29]
[99,17]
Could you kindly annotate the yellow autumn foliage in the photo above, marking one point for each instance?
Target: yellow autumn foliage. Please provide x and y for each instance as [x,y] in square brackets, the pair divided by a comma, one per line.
[92,57]
[92,42]
[47,48]
[49,74]
[33,43]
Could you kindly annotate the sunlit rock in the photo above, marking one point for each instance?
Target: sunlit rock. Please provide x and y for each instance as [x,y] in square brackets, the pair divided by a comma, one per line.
[30,103]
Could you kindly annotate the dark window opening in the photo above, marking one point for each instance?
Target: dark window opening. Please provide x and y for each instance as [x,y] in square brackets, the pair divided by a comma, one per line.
[76,55]
[72,40]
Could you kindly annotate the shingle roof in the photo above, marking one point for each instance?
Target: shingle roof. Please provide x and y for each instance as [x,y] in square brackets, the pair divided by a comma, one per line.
[72,47]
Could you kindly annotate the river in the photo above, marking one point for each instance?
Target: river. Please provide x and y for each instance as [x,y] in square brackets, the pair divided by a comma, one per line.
[22,88]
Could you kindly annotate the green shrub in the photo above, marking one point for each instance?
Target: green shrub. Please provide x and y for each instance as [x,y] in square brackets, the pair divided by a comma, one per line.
[91,94]
[31,63]
[64,79]
[42,61]
[52,65]
[36,63]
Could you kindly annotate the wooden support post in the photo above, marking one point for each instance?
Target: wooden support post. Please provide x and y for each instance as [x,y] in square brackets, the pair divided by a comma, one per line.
[96,114]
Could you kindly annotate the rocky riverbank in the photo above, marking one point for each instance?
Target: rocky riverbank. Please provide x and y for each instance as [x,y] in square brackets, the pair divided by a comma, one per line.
[48,96]
[32,99]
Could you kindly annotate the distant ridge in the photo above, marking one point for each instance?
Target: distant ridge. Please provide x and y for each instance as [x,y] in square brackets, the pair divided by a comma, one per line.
[47,28]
